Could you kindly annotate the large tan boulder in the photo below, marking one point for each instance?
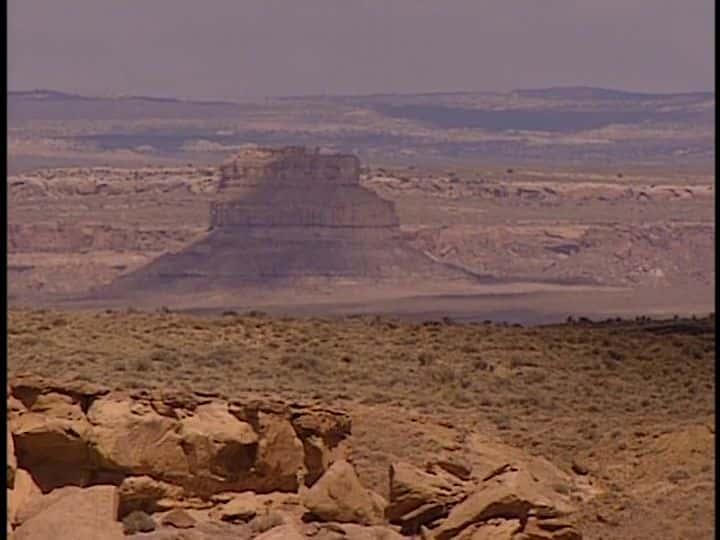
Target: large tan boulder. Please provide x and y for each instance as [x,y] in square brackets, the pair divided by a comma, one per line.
[51,438]
[418,497]
[339,496]
[50,429]
[217,444]
[280,455]
[208,450]
[129,436]
[75,514]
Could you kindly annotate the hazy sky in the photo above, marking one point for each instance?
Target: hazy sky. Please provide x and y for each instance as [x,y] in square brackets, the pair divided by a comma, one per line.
[239,48]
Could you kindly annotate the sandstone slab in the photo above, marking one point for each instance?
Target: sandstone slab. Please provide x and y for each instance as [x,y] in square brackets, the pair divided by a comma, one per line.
[418,497]
[178,519]
[339,496]
[494,529]
[75,514]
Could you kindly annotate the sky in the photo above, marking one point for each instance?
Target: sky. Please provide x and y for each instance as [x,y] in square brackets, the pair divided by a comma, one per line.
[233,49]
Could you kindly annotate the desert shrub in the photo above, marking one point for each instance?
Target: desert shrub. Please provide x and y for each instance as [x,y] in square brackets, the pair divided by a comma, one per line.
[442,375]
[138,521]
[678,476]
[59,321]
[479,364]
[161,355]
[425,359]
[301,362]
[222,356]
[536,377]
[517,362]
[119,365]
[141,365]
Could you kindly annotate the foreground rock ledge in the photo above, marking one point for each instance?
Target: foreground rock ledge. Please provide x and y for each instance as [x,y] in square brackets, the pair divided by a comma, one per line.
[82,461]
[199,445]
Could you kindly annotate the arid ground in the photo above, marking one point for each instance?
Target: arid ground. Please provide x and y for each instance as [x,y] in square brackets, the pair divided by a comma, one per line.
[630,404]
[582,242]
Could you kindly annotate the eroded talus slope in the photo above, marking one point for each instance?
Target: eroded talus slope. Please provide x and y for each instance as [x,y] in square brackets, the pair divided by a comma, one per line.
[82,460]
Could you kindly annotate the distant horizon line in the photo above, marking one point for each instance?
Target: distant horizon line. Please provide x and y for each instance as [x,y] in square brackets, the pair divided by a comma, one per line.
[548,89]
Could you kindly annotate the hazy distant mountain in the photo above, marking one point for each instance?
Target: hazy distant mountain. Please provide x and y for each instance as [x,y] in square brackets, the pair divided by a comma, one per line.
[565,123]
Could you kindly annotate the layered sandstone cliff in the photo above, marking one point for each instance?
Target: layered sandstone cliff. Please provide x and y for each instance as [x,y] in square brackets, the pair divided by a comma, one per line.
[284,218]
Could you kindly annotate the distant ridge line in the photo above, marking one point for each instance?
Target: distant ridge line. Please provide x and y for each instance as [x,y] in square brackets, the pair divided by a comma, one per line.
[590,92]
[553,92]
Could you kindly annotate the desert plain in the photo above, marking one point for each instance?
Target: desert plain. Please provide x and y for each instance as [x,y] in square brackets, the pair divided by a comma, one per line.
[543,368]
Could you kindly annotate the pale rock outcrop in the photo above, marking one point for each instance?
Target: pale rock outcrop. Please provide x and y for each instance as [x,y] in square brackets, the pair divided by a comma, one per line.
[202,445]
[510,495]
[322,433]
[339,496]
[215,469]
[489,460]
[23,492]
